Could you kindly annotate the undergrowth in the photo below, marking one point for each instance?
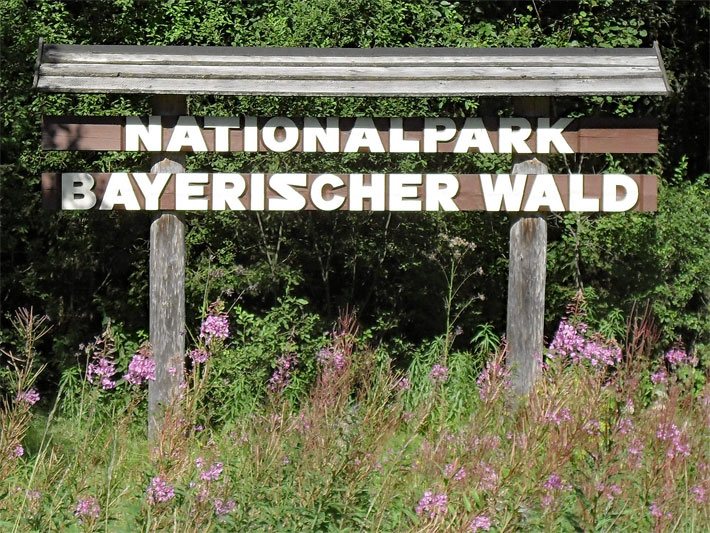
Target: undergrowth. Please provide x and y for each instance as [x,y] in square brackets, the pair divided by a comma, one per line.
[612,438]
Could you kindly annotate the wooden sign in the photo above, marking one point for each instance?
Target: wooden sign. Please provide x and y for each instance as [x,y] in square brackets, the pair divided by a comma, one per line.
[351,192]
[397,135]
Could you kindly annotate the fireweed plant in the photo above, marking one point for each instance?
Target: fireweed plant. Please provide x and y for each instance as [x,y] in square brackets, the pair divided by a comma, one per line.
[613,438]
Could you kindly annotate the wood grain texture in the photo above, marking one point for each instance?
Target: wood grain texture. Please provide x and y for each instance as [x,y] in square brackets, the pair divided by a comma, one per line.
[585,135]
[166,293]
[352,72]
[527,271]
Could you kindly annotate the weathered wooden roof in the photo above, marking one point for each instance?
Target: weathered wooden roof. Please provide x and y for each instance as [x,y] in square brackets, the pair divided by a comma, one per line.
[350,71]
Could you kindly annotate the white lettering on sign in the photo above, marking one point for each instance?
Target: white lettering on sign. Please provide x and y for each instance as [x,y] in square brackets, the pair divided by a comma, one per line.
[328,138]
[364,135]
[186,133]
[355,192]
[282,134]
[319,199]
[221,126]
[151,136]
[611,201]
[76,191]
[501,191]
[227,190]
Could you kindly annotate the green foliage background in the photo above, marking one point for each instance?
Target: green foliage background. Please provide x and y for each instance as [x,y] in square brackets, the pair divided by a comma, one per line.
[86,268]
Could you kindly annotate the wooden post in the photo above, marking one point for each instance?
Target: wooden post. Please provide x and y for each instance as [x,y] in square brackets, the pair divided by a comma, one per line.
[167,286]
[527,270]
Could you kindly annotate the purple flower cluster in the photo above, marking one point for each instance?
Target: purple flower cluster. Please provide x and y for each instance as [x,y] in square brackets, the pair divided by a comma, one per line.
[480,523]
[223,507]
[457,474]
[281,377]
[609,491]
[198,355]
[493,376]
[141,368]
[432,505]
[404,384]
[677,443]
[439,374]
[214,326]
[570,342]
[29,397]
[676,356]
[159,491]
[698,492]
[660,376]
[487,477]
[87,508]
[332,359]
[553,486]
[558,416]
[212,473]
[102,369]
[19,451]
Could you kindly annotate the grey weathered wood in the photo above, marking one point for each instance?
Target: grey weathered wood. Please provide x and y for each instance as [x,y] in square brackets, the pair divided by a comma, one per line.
[527,272]
[167,289]
[349,72]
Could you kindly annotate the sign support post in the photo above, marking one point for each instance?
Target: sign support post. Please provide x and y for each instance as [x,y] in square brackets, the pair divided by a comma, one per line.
[527,270]
[167,286]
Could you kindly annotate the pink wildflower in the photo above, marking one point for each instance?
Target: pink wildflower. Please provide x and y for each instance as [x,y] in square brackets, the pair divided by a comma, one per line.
[655,510]
[141,368]
[624,426]
[676,356]
[282,374]
[29,397]
[332,359]
[480,523]
[214,326]
[87,508]
[458,474]
[222,507]
[102,369]
[555,482]
[159,491]
[495,376]
[558,416]
[19,451]
[432,505]
[487,477]
[698,492]
[570,342]
[439,373]
[659,376]
[198,355]
[212,473]
[404,384]
[677,442]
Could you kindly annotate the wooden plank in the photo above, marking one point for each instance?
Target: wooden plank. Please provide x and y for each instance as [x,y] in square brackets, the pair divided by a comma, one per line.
[370,72]
[470,196]
[170,55]
[167,292]
[351,72]
[613,135]
[411,88]
[527,270]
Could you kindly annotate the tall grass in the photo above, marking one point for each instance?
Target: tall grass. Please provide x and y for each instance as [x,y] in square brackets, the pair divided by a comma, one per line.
[595,447]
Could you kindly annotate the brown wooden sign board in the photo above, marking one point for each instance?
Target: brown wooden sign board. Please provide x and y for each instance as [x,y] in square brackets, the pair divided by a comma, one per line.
[403,135]
[355,192]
